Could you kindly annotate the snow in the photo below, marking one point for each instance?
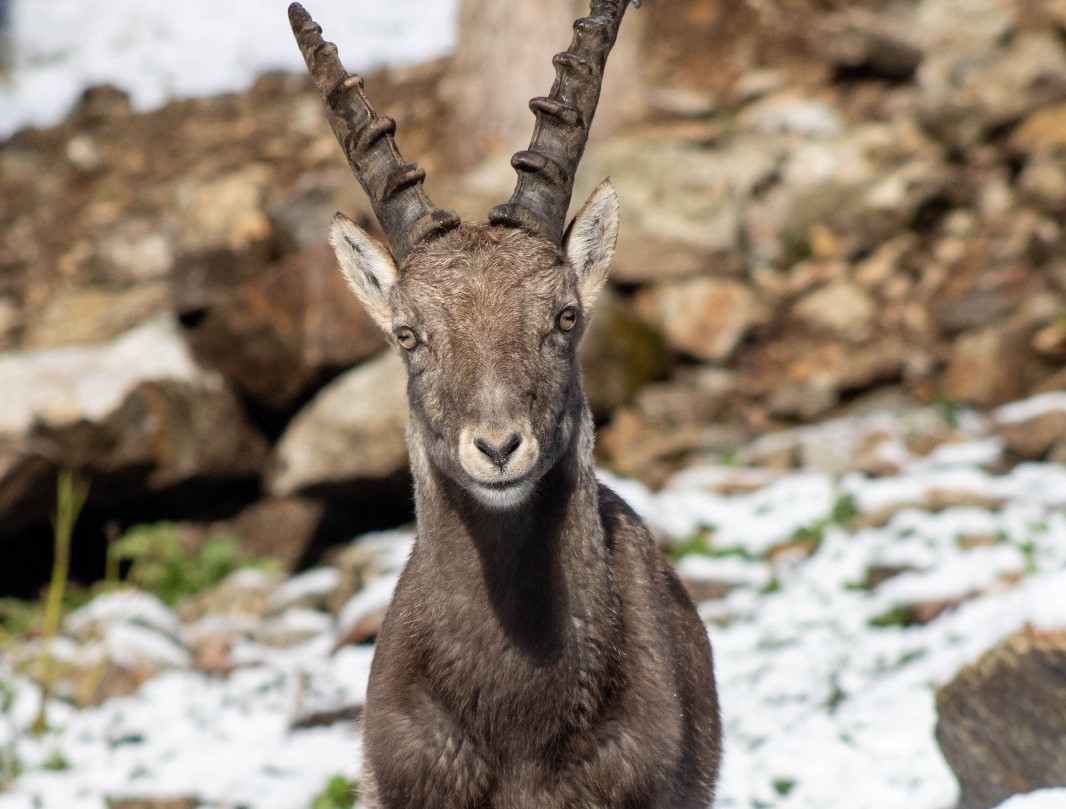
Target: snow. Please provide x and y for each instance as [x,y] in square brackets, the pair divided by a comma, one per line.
[313,584]
[1033,407]
[61,385]
[159,50]
[828,702]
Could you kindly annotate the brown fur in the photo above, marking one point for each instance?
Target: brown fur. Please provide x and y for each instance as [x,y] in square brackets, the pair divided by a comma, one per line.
[539,652]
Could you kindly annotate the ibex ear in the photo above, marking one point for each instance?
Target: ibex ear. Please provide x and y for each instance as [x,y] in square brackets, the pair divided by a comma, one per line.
[590,240]
[367,267]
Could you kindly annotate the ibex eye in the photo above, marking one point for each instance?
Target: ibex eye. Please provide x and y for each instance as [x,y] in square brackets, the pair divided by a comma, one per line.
[406,337]
[567,319]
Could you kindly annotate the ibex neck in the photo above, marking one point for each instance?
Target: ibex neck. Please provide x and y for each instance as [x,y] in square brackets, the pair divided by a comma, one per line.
[535,567]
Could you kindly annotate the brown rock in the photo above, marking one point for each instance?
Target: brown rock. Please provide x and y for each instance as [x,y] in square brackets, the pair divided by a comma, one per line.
[841,307]
[620,354]
[988,367]
[279,333]
[1044,129]
[705,318]
[1032,438]
[352,430]
[1001,721]
[153,803]
[278,528]
[136,415]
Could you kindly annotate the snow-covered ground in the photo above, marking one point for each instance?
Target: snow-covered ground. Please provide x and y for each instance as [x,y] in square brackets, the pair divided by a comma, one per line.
[157,50]
[828,699]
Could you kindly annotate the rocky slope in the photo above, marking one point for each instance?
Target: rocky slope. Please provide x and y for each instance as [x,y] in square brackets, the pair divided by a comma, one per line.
[865,207]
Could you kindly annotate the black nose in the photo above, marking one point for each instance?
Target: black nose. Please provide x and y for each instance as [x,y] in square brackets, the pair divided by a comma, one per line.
[499,454]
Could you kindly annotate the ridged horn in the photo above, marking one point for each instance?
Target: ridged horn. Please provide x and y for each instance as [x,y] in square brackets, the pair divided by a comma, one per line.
[546,169]
[406,213]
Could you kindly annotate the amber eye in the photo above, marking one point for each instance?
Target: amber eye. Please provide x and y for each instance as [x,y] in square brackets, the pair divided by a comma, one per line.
[406,337]
[567,319]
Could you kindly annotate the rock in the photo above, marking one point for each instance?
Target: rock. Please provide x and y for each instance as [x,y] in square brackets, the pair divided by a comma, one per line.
[244,592]
[817,381]
[1043,180]
[277,528]
[281,332]
[999,721]
[1030,428]
[680,201]
[964,94]
[788,113]
[134,415]
[224,213]
[154,803]
[93,315]
[987,367]
[865,46]
[353,429]
[620,354]
[841,307]
[705,318]
[1043,130]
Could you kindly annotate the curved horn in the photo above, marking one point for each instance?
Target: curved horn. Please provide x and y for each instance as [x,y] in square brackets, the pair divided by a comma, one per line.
[546,169]
[406,213]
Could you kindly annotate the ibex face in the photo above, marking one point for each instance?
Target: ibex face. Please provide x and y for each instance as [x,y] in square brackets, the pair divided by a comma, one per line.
[488,319]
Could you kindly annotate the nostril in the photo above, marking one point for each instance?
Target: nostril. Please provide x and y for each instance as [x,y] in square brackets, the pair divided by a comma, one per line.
[510,445]
[499,454]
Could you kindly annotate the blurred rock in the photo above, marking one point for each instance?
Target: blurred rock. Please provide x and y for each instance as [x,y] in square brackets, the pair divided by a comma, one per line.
[1031,432]
[705,318]
[987,367]
[282,528]
[353,429]
[1043,130]
[244,592]
[1020,685]
[620,354]
[966,93]
[93,315]
[135,415]
[680,203]
[841,307]
[281,332]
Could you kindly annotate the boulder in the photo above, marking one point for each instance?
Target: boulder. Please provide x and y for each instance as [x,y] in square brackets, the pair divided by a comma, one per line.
[680,202]
[620,354]
[352,430]
[1032,427]
[987,366]
[705,318]
[134,415]
[842,308]
[967,92]
[1000,722]
[278,333]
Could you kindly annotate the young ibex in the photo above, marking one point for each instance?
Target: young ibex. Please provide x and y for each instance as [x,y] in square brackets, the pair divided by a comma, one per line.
[539,652]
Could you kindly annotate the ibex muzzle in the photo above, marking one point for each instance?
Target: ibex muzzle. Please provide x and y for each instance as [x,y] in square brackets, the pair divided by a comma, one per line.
[539,653]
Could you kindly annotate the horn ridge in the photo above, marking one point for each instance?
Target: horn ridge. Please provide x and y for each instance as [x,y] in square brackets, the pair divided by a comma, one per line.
[546,169]
[394,186]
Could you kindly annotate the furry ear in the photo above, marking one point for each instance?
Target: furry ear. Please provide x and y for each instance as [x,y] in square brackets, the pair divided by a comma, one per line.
[590,240]
[367,267]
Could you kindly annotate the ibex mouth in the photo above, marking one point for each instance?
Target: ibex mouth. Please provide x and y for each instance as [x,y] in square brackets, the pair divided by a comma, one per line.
[502,493]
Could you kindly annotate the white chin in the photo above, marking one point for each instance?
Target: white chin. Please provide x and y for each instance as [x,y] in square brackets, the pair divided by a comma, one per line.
[502,497]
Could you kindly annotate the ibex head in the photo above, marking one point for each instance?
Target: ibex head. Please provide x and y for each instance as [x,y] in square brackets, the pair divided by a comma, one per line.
[488,315]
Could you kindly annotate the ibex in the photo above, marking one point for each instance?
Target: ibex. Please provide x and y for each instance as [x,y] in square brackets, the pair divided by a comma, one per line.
[539,652]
